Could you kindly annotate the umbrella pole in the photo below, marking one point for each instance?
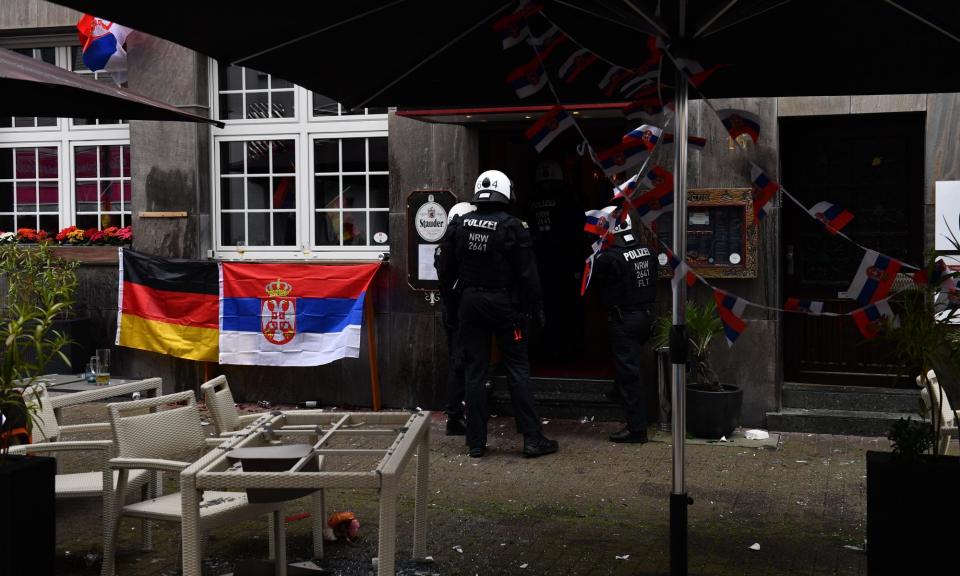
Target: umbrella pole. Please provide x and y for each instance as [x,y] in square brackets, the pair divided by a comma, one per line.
[678,341]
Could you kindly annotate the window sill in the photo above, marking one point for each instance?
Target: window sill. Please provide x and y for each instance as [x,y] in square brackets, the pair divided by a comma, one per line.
[88,254]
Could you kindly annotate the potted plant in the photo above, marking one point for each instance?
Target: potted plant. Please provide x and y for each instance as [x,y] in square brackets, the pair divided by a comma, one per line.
[713,409]
[39,290]
[911,486]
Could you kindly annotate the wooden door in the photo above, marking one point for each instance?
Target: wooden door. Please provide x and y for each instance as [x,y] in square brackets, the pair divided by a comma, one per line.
[872,165]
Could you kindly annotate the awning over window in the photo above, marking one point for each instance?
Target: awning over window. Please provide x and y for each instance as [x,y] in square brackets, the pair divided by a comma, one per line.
[34,88]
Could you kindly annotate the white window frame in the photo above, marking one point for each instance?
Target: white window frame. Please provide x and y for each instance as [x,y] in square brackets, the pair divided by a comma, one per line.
[61,212]
[304,128]
[64,136]
[128,179]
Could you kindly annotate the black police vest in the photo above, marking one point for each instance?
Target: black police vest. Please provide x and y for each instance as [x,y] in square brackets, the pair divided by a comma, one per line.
[481,250]
[630,276]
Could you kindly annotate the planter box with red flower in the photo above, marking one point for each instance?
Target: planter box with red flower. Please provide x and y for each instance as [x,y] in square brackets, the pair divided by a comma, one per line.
[72,243]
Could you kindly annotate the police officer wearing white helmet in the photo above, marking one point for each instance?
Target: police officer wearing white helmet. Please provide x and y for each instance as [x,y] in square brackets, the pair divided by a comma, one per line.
[626,275]
[492,262]
[450,300]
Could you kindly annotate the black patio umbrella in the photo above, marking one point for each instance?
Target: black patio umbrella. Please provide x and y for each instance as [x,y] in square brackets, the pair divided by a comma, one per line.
[34,88]
[438,53]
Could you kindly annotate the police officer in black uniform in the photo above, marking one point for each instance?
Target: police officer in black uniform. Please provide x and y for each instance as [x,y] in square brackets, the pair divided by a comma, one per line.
[626,274]
[450,300]
[493,264]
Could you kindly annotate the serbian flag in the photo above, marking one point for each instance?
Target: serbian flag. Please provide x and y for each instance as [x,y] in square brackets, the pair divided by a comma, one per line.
[869,319]
[576,64]
[628,188]
[623,156]
[168,306]
[681,270]
[695,73]
[600,221]
[657,178]
[731,314]
[548,127]
[874,278]
[645,134]
[291,314]
[932,277]
[528,79]
[548,41]
[949,295]
[646,104]
[803,305]
[739,122]
[587,273]
[513,28]
[614,78]
[101,42]
[652,203]
[763,190]
[833,217]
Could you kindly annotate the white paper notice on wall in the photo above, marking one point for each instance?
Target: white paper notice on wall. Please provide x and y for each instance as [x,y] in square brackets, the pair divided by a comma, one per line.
[425,269]
[948,214]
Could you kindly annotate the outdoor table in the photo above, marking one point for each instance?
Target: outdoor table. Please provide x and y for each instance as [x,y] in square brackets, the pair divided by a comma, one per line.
[69,390]
[396,437]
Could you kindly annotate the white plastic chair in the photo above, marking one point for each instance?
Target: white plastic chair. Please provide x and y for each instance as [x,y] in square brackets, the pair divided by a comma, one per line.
[149,441]
[948,417]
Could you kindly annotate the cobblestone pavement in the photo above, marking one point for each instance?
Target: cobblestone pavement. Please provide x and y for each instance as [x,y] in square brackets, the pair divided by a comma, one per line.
[593,508]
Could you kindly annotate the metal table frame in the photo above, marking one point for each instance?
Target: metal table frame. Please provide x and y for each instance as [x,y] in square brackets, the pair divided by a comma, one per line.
[411,432]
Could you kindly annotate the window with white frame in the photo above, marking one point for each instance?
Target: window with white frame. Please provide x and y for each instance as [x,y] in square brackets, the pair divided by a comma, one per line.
[295,175]
[59,172]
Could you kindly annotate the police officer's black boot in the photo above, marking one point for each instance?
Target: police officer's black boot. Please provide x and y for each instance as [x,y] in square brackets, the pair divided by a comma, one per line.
[536,444]
[456,425]
[627,436]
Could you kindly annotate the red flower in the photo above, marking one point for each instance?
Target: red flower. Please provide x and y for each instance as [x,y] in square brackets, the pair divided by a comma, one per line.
[125,234]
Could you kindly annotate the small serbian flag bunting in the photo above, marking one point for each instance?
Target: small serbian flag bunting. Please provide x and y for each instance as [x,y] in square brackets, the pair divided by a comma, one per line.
[833,217]
[628,188]
[657,177]
[652,203]
[874,278]
[528,79]
[763,190]
[576,64]
[622,157]
[587,273]
[731,310]
[546,43]
[869,319]
[513,28]
[696,142]
[949,294]
[681,271]
[548,127]
[814,307]
[646,134]
[695,73]
[616,76]
[600,221]
[739,122]
[924,278]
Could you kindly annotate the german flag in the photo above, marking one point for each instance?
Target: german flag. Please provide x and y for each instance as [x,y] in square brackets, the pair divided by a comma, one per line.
[169,306]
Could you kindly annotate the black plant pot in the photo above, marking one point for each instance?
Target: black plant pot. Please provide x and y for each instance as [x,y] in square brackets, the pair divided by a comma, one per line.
[912,512]
[28,534]
[713,414]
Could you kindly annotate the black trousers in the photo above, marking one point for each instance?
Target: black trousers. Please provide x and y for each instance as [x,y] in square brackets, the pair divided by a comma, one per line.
[628,331]
[486,314]
[455,373]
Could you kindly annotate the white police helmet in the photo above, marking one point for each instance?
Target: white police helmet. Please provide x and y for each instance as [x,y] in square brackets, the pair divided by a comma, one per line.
[493,186]
[460,209]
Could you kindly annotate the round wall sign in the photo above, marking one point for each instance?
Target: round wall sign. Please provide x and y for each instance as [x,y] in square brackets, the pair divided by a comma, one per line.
[734,258]
[431,221]
[662,259]
[380,237]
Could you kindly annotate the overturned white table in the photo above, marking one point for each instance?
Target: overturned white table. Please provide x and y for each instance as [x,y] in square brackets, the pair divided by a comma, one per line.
[354,450]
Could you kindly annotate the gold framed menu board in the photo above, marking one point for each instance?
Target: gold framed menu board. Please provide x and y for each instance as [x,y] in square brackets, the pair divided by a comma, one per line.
[721,235]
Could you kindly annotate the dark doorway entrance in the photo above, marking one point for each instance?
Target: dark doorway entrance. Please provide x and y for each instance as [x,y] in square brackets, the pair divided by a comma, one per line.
[872,165]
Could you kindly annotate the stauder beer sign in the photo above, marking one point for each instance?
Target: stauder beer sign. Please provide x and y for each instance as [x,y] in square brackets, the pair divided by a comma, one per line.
[427,220]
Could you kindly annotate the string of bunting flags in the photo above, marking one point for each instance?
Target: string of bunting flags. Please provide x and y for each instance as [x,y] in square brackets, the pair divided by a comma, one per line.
[650,190]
